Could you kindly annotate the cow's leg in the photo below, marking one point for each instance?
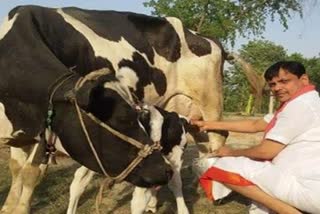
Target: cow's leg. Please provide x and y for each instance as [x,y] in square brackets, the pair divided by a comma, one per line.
[31,174]
[140,198]
[211,98]
[175,184]
[17,160]
[82,178]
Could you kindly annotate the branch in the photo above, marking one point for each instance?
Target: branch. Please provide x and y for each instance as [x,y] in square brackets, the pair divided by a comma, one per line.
[200,22]
[203,16]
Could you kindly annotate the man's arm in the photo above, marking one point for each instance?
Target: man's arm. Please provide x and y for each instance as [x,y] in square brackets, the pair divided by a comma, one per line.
[266,150]
[246,126]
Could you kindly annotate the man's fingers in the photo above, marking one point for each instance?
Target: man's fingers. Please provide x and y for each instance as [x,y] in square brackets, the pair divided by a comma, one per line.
[203,129]
[194,122]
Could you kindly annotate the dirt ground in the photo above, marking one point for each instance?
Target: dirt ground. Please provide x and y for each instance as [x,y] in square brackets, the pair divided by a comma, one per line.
[51,196]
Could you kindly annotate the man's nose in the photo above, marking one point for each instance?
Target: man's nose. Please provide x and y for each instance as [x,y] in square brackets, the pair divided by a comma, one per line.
[277,87]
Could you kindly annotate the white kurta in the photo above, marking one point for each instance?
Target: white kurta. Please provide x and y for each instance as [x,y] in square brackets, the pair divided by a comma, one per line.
[294,174]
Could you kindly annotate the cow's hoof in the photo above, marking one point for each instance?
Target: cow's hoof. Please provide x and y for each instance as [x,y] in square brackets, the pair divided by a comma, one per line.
[151,209]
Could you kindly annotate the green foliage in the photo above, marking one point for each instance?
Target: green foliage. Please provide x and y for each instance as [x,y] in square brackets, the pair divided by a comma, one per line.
[226,19]
[235,90]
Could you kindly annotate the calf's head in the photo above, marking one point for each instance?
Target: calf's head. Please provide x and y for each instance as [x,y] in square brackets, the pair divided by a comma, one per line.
[167,127]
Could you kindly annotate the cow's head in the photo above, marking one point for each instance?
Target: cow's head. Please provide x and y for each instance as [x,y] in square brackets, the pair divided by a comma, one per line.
[109,101]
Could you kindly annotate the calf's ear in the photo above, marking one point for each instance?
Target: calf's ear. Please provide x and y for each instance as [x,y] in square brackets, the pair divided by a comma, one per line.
[189,127]
[144,118]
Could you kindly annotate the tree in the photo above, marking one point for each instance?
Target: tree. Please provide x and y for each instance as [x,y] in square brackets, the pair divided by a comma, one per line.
[226,19]
[254,58]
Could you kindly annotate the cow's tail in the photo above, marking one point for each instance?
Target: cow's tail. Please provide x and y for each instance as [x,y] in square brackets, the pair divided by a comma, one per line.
[228,56]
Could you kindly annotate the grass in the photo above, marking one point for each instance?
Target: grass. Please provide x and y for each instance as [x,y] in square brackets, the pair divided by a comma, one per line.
[52,195]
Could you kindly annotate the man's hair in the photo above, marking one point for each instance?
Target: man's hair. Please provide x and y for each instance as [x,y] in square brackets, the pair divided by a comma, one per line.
[292,67]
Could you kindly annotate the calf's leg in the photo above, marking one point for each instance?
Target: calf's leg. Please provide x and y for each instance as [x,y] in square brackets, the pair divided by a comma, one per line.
[152,204]
[140,198]
[82,178]
[175,184]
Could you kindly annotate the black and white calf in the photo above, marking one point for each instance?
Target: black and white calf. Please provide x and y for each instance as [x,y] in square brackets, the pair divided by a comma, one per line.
[170,129]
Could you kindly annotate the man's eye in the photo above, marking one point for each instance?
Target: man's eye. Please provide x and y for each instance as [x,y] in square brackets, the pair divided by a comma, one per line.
[272,85]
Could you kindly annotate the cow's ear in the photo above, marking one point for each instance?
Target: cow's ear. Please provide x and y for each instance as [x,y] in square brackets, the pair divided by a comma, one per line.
[97,100]
[84,95]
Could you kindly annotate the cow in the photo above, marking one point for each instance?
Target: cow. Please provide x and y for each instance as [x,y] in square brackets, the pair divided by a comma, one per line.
[173,141]
[162,62]
[86,128]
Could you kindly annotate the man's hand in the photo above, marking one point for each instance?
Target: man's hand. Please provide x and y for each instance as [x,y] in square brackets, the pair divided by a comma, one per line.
[202,125]
[224,151]
[266,150]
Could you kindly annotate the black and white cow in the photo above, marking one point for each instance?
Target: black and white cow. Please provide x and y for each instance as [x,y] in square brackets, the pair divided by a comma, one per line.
[102,98]
[163,62]
[169,129]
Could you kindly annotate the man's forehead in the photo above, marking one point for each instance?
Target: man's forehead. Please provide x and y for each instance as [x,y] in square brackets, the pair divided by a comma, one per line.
[282,75]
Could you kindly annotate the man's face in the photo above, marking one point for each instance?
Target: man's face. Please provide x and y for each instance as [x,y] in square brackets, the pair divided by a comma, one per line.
[286,84]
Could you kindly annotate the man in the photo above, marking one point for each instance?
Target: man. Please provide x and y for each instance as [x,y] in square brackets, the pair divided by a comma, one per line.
[282,173]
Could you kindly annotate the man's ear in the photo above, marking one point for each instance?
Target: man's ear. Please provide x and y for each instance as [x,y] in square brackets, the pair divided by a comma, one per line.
[305,79]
